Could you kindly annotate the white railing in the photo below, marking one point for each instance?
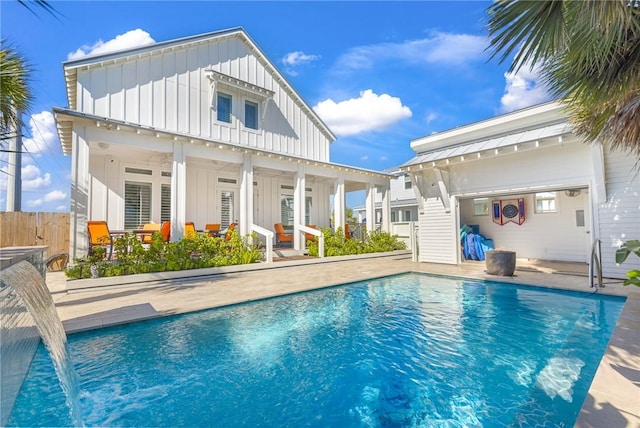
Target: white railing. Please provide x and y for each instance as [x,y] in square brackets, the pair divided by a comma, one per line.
[415,242]
[404,231]
[594,264]
[268,241]
[314,232]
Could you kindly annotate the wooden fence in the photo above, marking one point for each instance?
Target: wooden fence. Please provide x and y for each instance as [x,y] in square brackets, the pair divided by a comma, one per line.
[19,229]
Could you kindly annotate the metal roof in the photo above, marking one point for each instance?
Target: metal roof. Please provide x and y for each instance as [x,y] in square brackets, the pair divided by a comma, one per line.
[529,136]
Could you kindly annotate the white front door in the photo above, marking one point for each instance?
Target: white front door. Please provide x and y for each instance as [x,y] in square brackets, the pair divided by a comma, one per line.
[228,206]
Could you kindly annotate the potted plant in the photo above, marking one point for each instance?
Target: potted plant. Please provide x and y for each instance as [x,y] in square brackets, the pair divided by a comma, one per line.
[500,262]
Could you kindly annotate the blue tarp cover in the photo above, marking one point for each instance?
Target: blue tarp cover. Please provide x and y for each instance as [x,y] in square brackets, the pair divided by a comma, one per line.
[474,245]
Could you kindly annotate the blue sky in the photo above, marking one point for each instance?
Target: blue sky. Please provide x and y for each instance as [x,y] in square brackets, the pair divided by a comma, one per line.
[378,73]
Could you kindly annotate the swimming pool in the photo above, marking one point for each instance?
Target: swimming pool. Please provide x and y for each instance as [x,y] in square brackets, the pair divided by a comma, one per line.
[407,350]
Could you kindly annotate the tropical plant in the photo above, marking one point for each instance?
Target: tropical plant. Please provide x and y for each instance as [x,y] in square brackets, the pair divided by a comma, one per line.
[628,247]
[588,55]
[336,244]
[197,252]
[15,96]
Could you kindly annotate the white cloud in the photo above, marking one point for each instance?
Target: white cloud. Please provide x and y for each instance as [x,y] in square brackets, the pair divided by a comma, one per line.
[298,58]
[32,179]
[33,203]
[44,135]
[431,117]
[56,195]
[523,89]
[369,112]
[440,49]
[130,39]
[62,208]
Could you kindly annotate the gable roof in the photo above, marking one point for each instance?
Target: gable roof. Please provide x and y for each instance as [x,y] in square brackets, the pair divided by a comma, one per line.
[71,67]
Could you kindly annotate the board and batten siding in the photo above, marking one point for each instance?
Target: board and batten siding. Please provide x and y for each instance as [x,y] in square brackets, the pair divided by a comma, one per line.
[568,164]
[619,216]
[437,238]
[170,91]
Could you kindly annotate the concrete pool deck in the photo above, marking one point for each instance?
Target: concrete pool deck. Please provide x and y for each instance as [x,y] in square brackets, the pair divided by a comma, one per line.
[614,396]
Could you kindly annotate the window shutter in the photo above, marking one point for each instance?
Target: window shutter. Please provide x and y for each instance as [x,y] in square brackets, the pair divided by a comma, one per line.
[165,202]
[224,108]
[137,204]
[226,213]
[251,115]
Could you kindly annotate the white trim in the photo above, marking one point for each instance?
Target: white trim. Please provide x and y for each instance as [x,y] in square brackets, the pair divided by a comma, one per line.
[238,84]
[444,193]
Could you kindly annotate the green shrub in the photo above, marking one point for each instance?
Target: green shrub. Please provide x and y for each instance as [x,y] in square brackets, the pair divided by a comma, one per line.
[201,251]
[627,248]
[335,244]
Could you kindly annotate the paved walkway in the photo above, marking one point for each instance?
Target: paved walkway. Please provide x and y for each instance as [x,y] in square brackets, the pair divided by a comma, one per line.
[614,397]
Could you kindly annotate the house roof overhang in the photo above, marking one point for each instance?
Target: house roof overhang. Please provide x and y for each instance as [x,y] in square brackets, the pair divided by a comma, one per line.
[71,67]
[65,119]
[532,128]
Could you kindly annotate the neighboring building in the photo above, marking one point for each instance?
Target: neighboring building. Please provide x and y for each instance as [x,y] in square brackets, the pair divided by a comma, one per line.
[402,199]
[530,185]
[202,129]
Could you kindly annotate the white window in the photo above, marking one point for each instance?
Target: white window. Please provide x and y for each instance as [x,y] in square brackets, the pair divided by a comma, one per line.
[407,182]
[286,210]
[224,107]
[250,115]
[481,206]
[165,202]
[393,216]
[545,202]
[137,204]
[227,214]
[407,215]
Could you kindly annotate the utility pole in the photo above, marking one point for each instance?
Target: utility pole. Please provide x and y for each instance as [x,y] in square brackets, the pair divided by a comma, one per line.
[14,181]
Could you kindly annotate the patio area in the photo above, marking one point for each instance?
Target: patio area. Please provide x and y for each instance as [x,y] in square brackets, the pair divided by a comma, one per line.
[614,394]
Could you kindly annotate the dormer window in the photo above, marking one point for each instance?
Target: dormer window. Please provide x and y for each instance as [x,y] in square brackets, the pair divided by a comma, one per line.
[223,85]
[250,115]
[223,107]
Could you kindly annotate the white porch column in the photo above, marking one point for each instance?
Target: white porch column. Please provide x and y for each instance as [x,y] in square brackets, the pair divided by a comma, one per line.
[371,207]
[80,200]
[178,192]
[246,197]
[339,205]
[599,191]
[386,210]
[298,206]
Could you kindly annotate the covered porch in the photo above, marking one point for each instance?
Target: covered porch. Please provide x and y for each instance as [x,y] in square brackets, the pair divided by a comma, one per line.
[130,175]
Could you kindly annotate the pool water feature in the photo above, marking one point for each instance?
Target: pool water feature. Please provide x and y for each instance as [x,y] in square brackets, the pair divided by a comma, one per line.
[406,350]
[25,293]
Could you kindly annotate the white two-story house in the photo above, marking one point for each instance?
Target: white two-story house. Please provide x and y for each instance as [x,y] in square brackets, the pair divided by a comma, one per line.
[202,129]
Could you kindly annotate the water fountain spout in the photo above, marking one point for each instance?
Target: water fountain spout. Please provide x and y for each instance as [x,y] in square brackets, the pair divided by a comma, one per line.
[22,281]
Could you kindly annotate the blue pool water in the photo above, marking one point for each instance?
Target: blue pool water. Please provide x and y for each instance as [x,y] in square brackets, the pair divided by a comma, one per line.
[407,350]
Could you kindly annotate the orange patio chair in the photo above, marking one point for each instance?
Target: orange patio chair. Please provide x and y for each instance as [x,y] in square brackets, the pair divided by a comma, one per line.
[99,236]
[347,232]
[213,229]
[147,238]
[165,230]
[227,235]
[282,237]
[190,230]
